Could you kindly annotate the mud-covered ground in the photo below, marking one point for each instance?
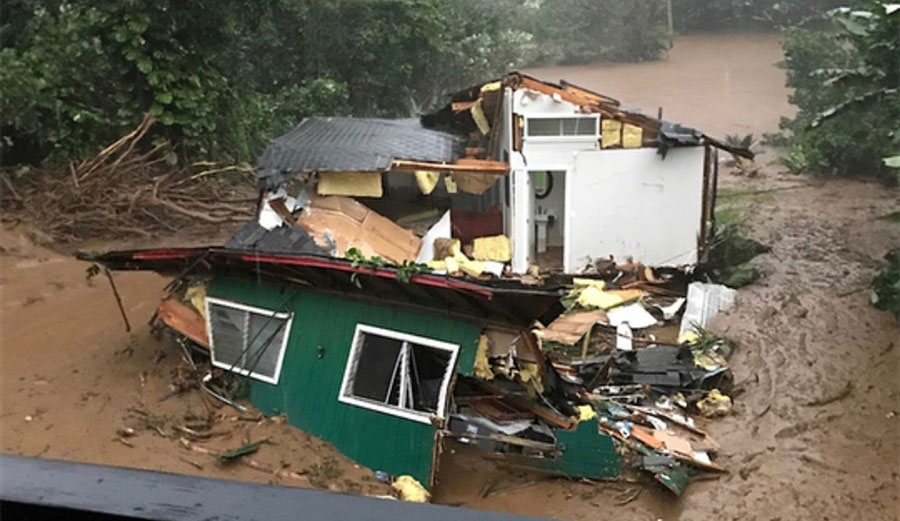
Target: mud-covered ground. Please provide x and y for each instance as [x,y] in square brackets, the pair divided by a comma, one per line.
[815,433]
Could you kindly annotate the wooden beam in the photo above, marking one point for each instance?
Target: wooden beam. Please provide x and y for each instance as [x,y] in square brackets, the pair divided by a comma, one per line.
[481,166]
[459,106]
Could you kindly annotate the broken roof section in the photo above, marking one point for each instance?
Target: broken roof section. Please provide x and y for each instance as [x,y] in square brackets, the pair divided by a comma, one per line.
[455,115]
[321,144]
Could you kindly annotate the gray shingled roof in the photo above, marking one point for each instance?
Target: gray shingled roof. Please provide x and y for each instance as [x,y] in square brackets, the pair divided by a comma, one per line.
[284,239]
[353,144]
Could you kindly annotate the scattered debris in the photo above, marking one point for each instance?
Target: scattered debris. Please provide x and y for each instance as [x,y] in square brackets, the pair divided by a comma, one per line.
[243,450]
[130,188]
[411,490]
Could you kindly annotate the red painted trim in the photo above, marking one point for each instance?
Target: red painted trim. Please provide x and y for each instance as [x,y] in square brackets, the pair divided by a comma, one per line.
[175,253]
[314,262]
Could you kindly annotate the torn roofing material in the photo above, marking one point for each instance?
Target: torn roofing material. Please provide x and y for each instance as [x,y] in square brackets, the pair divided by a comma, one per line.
[284,239]
[321,144]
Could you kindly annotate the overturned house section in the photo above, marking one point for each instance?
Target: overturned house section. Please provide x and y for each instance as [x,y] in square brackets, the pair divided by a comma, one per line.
[383,369]
[391,369]
[386,300]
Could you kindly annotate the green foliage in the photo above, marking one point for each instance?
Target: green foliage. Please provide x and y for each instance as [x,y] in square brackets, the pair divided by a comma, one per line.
[404,271]
[224,76]
[579,31]
[886,286]
[716,15]
[846,91]
[729,254]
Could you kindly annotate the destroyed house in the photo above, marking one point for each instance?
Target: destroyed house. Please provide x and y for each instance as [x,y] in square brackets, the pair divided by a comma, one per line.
[383,369]
[385,298]
[564,175]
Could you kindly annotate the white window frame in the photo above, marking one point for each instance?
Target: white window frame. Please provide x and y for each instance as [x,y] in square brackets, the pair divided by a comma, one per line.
[259,311]
[409,414]
[561,115]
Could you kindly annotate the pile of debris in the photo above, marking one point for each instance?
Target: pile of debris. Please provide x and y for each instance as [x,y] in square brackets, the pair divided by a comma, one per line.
[623,358]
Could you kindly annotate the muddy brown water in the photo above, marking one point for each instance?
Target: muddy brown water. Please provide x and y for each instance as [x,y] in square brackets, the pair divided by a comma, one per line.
[720,84]
[798,446]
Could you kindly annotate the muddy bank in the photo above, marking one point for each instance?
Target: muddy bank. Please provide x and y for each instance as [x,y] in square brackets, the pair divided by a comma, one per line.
[72,379]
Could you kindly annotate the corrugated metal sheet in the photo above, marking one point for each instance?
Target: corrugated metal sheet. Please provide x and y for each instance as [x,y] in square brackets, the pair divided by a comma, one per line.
[309,385]
[353,144]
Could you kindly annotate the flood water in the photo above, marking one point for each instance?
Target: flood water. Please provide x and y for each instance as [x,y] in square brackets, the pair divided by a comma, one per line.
[720,84]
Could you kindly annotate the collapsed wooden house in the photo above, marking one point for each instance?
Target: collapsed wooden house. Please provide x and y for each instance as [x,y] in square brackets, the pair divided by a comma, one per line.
[385,370]
[385,267]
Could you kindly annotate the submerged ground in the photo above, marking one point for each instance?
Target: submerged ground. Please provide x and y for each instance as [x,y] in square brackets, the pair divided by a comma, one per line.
[815,433]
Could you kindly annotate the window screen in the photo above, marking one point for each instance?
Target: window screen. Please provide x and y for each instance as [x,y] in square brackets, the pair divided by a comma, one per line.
[247,340]
[398,374]
[576,126]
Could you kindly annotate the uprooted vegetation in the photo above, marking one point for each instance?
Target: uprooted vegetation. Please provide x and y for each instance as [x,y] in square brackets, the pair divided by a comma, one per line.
[127,190]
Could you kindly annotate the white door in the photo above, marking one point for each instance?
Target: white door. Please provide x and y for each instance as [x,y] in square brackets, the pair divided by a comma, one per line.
[522,212]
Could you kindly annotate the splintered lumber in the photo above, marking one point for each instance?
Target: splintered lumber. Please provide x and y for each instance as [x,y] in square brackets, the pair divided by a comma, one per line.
[185,320]
[545,413]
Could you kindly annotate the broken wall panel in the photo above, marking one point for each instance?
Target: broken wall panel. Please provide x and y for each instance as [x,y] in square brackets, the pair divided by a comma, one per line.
[350,224]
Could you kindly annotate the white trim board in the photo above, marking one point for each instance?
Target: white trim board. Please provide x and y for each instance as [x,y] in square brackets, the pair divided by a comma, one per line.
[258,311]
[353,359]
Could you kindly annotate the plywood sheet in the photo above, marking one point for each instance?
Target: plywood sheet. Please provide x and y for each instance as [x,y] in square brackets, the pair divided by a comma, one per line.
[568,329]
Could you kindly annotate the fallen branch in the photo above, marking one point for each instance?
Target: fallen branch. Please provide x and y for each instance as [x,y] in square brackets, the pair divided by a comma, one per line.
[129,188]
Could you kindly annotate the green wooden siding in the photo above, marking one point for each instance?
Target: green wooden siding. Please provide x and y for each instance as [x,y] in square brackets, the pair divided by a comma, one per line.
[309,384]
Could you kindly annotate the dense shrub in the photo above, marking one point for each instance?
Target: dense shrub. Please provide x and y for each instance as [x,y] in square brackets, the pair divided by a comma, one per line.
[847,92]
[223,76]
[886,286]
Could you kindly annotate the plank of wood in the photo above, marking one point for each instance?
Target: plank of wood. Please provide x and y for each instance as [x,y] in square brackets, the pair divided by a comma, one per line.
[483,166]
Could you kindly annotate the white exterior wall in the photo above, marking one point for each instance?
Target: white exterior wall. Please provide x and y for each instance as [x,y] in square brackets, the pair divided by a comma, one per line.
[620,202]
[633,203]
